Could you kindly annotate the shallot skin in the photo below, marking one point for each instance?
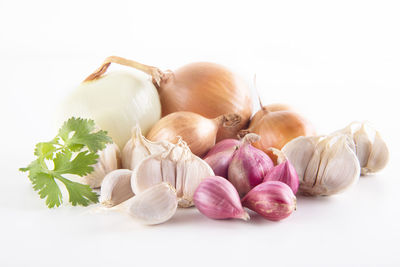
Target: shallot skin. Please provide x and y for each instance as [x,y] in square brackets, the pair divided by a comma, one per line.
[248,166]
[285,173]
[220,156]
[273,200]
[217,198]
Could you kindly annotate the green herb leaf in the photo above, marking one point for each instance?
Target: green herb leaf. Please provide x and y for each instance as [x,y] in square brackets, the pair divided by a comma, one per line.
[82,135]
[72,151]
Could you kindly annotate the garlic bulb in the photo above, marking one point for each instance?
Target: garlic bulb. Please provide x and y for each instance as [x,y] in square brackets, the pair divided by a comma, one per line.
[109,160]
[116,188]
[155,205]
[116,102]
[177,166]
[138,148]
[372,152]
[325,165]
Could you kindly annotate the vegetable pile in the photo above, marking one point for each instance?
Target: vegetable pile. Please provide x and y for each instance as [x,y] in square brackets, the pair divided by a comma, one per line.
[170,140]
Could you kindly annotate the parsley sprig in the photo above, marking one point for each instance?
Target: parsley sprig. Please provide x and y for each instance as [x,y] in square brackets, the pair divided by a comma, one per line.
[72,151]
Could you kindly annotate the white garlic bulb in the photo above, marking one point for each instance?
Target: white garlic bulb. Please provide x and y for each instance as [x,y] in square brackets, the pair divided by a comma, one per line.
[372,152]
[155,205]
[325,165]
[138,148]
[116,187]
[178,166]
[109,160]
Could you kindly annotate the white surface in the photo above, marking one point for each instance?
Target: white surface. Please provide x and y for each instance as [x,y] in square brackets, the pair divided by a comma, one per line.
[336,61]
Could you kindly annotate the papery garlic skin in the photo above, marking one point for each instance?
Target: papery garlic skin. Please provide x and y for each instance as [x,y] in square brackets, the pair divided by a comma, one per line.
[155,205]
[178,166]
[371,150]
[109,160]
[217,198]
[249,165]
[299,152]
[138,148]
[116,187]
[273,200]
[116,102]
[332,168]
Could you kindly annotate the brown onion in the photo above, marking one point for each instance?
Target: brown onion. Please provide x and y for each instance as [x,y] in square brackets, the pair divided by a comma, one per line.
[208,89]
[276,125]
[197,131]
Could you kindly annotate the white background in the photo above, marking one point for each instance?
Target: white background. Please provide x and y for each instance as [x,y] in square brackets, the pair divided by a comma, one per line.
[336,61]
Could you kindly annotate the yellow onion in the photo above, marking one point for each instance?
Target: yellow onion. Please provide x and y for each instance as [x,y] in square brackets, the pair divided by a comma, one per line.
[277,124]
[208,89]
[197,131]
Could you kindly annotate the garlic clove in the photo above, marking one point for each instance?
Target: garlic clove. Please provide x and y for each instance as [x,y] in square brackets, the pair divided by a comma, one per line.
[311,172]
[155,205]
[378,157]
[371,150]
[217,198]
[116,187]
[299,152]
[138,148]
[147,174]
[273,200]
[195,172]
[338,169]
[178,166]
[363,145]
[109,160]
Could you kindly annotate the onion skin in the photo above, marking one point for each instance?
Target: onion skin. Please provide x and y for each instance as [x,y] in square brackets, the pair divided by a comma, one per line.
[197,131]
[116,102]
[208,89]
[273,200]
[277,126]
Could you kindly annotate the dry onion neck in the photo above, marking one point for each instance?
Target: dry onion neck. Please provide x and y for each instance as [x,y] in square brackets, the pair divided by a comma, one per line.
[228,120]
[154,72]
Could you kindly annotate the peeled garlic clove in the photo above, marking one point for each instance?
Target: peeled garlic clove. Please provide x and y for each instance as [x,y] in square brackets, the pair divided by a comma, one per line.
[217,198]
[116,187]
[337,170]
[155,205]
[248,166]
[299,152]
[273,200]
[138,148]
[283,172]
[109,160]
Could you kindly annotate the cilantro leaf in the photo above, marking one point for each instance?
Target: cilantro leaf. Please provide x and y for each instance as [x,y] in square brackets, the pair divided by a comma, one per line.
[44,183]
[80,165]
[82,135]
[79,193]
[72,151]
[45,149]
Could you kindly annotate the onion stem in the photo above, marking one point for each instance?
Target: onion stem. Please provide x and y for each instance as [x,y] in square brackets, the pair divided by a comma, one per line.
[154,72]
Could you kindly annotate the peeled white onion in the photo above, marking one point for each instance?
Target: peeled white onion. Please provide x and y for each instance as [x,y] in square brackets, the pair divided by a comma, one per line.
[116,102]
